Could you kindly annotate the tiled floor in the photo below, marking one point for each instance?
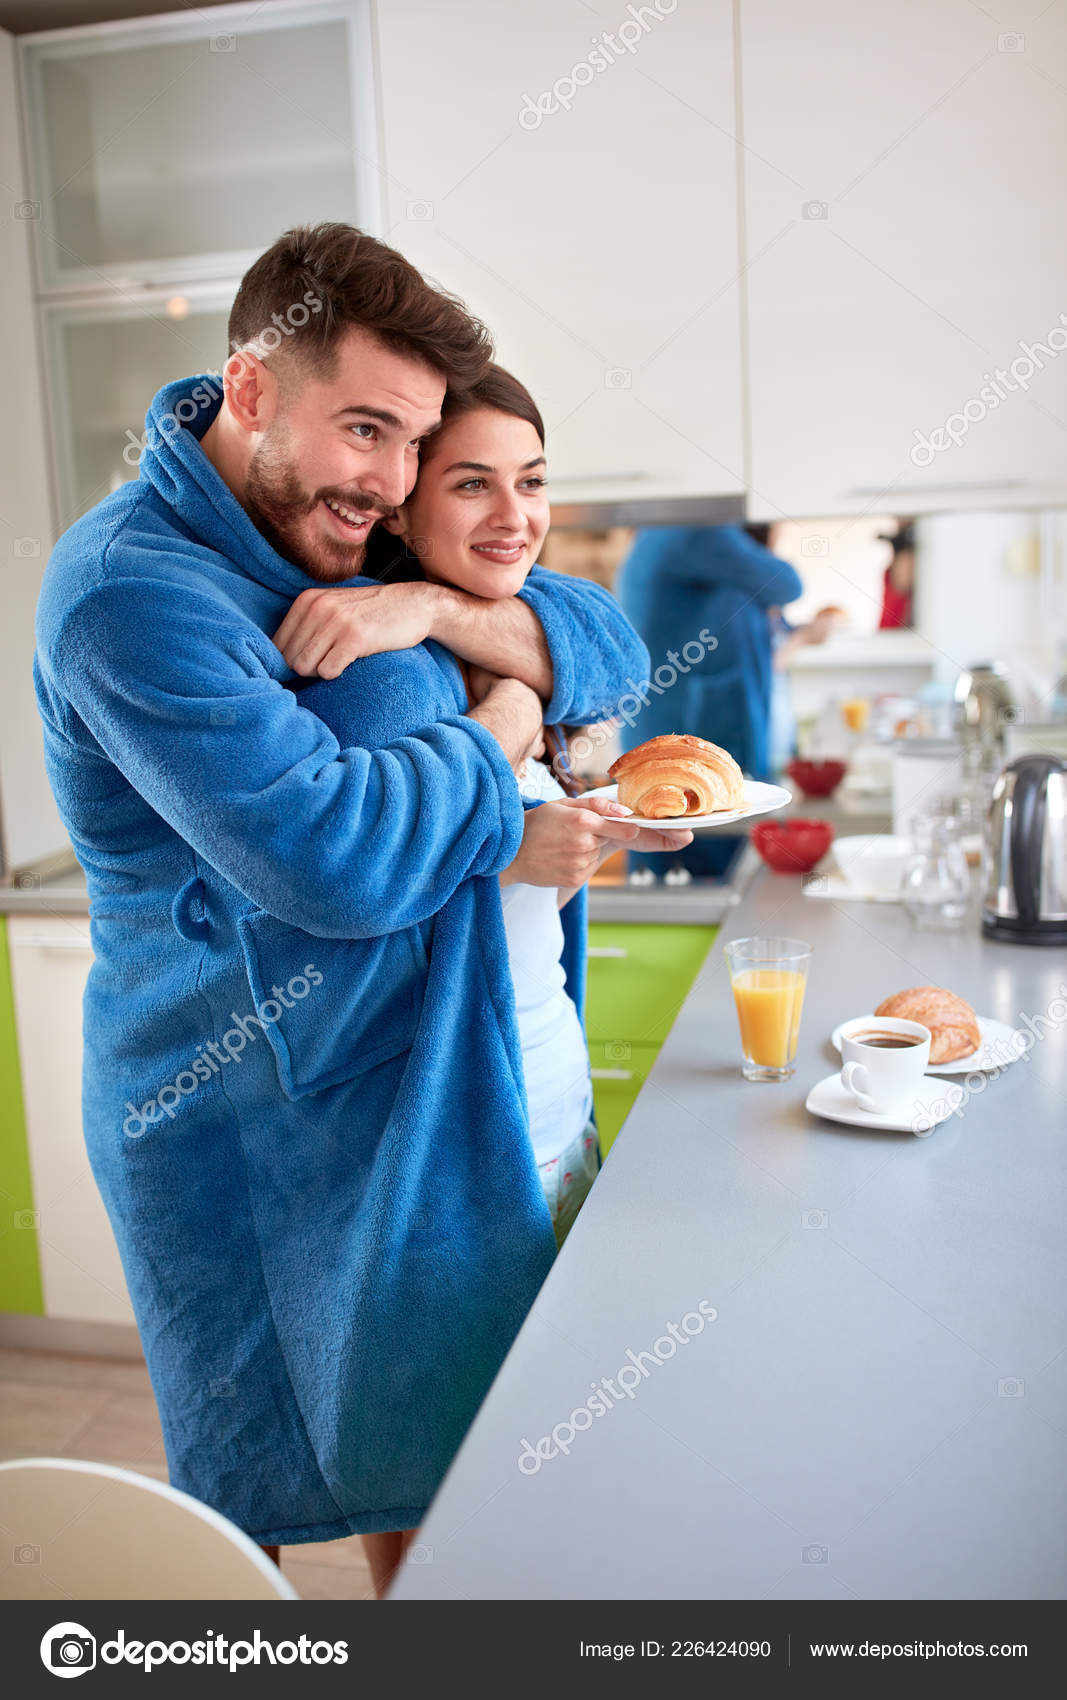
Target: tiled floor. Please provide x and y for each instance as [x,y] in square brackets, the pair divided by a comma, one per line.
[102,1409]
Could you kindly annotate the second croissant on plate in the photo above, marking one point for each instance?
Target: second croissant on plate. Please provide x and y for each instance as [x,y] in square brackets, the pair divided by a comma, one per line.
[676,775]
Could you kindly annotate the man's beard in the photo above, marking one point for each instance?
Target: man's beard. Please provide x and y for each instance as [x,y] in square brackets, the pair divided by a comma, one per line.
[282,510]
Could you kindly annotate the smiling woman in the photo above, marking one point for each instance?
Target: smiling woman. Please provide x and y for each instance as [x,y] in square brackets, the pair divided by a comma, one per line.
[479,513]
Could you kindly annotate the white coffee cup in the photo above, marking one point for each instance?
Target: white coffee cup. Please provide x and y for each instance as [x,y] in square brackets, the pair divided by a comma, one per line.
[880,1078]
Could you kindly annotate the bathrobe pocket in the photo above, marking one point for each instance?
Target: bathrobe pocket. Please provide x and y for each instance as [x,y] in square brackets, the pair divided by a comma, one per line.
[332,1008]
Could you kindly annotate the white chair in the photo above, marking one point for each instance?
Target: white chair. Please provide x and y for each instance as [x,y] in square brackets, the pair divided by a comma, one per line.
[80,1531]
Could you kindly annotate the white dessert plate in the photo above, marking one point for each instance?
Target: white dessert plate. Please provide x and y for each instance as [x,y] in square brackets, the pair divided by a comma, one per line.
[760,799]
[995,1051]
[919,1113]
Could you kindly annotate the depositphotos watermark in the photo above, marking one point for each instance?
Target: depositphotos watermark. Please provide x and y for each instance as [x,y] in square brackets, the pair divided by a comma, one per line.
[220,1052]
[1003,1052]
[69,1650]
[635,697]
[606,1391]
[607,46]
[996,387]
[203,394]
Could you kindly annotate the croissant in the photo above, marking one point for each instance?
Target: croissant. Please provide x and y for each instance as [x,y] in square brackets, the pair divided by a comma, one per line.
[677,775]
[952,1022]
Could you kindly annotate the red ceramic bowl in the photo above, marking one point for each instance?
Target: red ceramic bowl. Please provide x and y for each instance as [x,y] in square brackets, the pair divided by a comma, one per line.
[817,778]
[792,846]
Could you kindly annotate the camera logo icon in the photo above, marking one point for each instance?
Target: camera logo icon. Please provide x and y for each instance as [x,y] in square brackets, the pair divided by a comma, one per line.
[421,547]
[224,43]
[1011,43]
[68,1649]
[815,209]
[816,1219]
[617,1050]
[1010,1387]
[27,1555]
[27,209]
[815,545]
[816,1555]
[26,547]
[420,210]
[422,1555]
[617,378]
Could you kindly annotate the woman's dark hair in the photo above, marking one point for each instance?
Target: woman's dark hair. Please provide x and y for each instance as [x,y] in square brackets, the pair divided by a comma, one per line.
[317,281]
[500,391]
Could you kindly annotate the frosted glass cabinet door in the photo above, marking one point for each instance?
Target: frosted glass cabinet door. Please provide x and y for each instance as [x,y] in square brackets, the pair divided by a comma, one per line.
[105,365]
[182,148]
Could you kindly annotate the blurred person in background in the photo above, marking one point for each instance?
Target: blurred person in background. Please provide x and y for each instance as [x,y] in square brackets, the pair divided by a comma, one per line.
[676,582]
[899,584]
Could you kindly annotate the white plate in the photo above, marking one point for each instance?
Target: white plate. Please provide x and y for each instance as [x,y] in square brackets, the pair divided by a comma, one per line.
[924,1108]
[760,799]
[995,1051]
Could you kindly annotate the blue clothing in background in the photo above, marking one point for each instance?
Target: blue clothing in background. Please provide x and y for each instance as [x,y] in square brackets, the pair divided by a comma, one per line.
[783,726]
[677,583]
[302,1089]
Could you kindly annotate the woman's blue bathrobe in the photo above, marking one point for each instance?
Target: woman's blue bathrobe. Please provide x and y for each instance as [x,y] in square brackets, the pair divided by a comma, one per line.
[303,1097]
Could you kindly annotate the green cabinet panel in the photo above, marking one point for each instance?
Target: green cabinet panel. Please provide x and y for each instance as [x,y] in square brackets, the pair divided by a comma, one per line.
[619,1069]
[638,977]
[636,991]
[20,1269]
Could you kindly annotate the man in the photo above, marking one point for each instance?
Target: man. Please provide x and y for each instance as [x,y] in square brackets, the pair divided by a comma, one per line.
[220,826]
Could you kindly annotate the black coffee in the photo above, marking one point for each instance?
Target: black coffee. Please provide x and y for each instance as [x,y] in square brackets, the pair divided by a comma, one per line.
[886,1041]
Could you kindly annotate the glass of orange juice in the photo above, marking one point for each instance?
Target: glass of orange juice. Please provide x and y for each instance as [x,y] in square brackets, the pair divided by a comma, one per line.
[768,976]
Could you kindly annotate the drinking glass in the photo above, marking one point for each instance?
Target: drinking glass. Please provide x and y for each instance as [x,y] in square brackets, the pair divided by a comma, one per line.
[768,976]
[937,881]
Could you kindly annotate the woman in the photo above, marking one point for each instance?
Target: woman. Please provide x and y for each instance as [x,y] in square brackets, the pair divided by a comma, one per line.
[498,1070]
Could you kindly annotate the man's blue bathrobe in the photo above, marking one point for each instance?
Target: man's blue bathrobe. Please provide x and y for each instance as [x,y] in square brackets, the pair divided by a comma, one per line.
[303,1093]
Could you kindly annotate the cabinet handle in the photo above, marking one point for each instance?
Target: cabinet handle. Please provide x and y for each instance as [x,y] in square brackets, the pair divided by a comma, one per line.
[611,1073]
[612,950]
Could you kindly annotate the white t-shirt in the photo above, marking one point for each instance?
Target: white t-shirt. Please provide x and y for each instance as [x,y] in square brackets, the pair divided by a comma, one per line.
[555,1059]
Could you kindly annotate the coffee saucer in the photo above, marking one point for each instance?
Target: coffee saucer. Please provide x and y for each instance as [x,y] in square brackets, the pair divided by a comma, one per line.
[924,1107]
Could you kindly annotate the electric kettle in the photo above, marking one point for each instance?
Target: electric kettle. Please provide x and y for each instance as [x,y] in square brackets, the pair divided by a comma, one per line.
[1026,894]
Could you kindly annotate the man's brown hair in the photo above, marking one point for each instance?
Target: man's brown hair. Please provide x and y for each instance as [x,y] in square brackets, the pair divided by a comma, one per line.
[315,282]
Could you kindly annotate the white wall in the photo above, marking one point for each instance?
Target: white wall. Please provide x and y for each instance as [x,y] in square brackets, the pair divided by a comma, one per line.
[978,595]
[31,825]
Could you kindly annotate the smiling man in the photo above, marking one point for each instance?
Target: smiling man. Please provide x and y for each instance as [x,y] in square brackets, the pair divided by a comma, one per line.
[265,904]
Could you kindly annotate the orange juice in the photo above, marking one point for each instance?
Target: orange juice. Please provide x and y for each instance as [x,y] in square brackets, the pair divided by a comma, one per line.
[769,1002]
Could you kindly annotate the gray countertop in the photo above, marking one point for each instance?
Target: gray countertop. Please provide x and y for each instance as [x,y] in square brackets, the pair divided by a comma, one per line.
[57,885]
[877,1409]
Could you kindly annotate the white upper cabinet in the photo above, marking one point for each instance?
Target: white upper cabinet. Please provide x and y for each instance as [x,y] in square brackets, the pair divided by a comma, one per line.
[181,146]
[903,165]
[573,179]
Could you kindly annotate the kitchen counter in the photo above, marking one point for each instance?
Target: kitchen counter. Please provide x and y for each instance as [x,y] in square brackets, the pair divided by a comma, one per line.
[63,892]
[878,1408]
